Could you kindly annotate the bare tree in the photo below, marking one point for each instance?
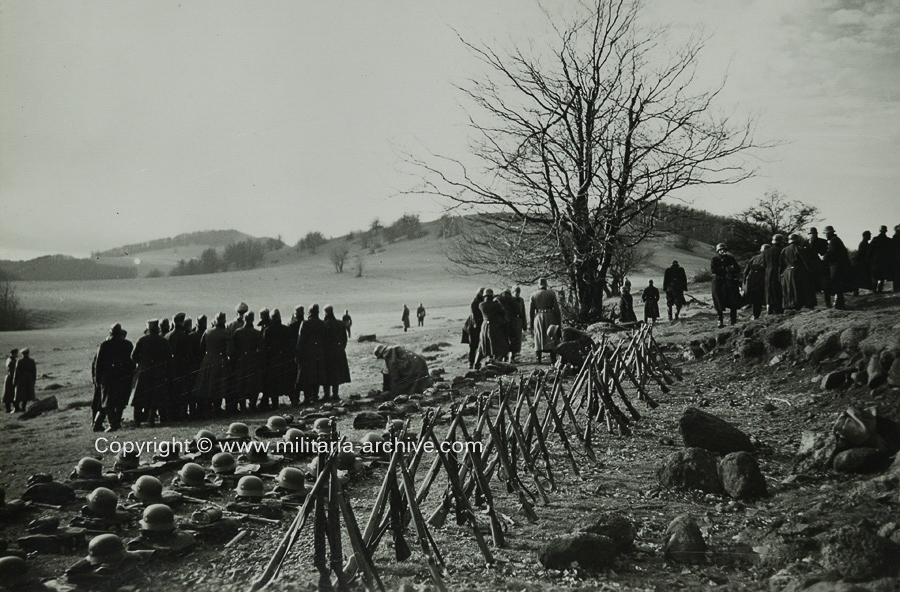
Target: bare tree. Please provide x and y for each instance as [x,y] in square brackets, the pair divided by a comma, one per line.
[12,316]
[577,150]
[338,257]
[625,261]
[776,214]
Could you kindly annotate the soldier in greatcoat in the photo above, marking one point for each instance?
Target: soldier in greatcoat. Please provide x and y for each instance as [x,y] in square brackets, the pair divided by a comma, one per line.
[880,253]
[650,298]
[151,357]
[862,264]
[211,386]
[840,272]
[404,317]
[471,333]
[249,364]
[494,342]
[9,385]
[514,322]
[180,385]
[113,371]
[334,346]
[280,361]
[310,352]
[674,285]
[24,380]
[772,261]
[544,311]
[755,281]
[795,274]
[726,284]
[294,332]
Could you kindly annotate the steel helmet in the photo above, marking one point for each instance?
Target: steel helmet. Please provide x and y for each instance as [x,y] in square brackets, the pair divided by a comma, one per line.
[293,435]
[397,424]
[158,517]
[322,426]
[372,438]
[89,468]
[276,423]
[346,461]
[11,567]
[192,475]
[103,501]
[205,434]
[312,468]
[257,455]
[105,549]
[250,486]
[128,460]
[223,462]
[291,478]
[147,489]
[238,430]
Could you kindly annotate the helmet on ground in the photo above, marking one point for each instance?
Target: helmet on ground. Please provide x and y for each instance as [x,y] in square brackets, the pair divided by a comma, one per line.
[238,430]
[105,549]
[89,468]
[223,462]
[103,501]
[192,475]
[128,459]
[346,460]
[322,426]
[291,478]
[372,438]
[205,434]
[11,567]
[250,486]
[158,517]
[257,455]
[312,468]
[276,423]
[147,488]
[397,424]
[293,435]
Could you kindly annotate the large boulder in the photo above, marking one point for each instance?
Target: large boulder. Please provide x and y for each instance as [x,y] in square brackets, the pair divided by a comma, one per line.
[859,554]
[876,375]
[827,344]
[617,527]
[741,477]
[704,430]
[817,450]
[860,460]
[684,542]
[834,380]
[852,336]
[691,468]
[591,551]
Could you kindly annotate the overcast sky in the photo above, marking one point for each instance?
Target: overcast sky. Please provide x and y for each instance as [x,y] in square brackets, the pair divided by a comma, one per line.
[123,121]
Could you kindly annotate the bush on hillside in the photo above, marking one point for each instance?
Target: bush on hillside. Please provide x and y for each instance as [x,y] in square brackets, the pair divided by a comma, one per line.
[12,316]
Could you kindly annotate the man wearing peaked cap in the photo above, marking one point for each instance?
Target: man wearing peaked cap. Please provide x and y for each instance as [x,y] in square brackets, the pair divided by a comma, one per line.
[26,375]
[151,357]
[212,378]
[113,373]
[280,363]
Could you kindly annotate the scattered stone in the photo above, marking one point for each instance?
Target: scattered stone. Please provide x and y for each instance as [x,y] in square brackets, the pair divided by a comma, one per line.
[859,460]
[751,348]
[860,554]
[741,477]
[367,338]
[618,528]
[53,386]
[833,380]
[816,451]
[691,353]
[769,407]
[368,420]
[893,377]
[775,361]
[691,468]
[684,542]
[827,344]
[859,378]
[852,336]
[48,404]
[704,430]
[434,347]
[591,551]
[877,377]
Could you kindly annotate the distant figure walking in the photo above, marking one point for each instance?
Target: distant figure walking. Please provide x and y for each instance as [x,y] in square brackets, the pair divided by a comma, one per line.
[626,305]
[726,284]
[405,318]
[420,315]
[675,285]
[544,312]
[348,322]
[650,297]
[26,375]
[9,385]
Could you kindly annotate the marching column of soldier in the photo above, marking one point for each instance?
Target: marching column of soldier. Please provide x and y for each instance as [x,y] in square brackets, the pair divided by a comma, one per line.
[198,372]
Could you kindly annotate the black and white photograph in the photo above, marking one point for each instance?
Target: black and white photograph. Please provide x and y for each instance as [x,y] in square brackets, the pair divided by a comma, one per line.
[424,296]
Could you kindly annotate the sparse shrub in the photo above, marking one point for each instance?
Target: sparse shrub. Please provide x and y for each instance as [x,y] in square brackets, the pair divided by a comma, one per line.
[12,316]
[684,242]
[311,242]
[154,273]
[338,256]
[702,276]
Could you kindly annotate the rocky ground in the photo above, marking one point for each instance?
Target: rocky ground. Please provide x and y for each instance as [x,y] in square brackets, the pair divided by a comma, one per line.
[781,381]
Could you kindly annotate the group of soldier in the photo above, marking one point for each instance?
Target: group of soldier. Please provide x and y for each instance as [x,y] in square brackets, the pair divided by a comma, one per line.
[494,329]
[180,371]
[21,374]
[788,275]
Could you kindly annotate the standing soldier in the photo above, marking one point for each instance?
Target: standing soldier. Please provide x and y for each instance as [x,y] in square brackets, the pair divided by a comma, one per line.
[772,261]
[472,329]
[726,290]
[420,315]
[181,369]
[151,356]
[862,264]
[755,281]
[895,253]
[816,248]
[839,270]
[514,322]
[114,371]
[675,285]
[405,318]
[310,352]
[880,252]
[494,342]
[334,348]
[9,385]
[294,334]
[348,322]
[212,378]
[26,375]
[195,357]
[280,362]
[650,297]
[795,276]
[626,305]
[249,365]
[544,312]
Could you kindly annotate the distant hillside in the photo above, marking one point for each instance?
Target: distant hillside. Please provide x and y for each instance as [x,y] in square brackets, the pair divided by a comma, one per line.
[63,267]
[204,238]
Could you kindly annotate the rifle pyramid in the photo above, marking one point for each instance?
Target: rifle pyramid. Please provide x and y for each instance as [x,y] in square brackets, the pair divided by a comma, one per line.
[515,427]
